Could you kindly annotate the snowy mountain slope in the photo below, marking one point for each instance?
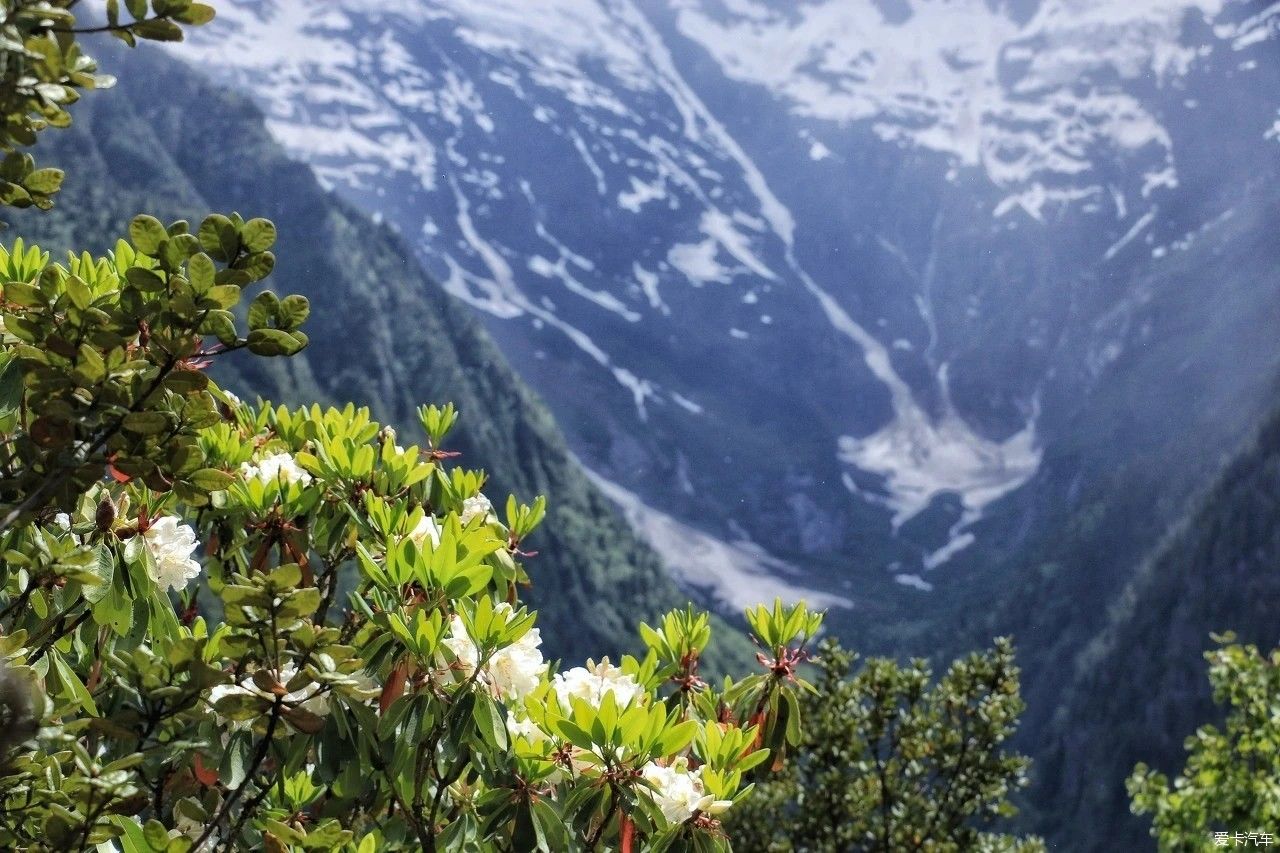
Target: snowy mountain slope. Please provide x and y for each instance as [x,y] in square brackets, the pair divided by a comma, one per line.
[829,277]
[1030,103]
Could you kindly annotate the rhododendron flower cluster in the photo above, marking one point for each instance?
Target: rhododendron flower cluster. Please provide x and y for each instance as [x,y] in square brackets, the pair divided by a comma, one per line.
[678,791]
[275,468]
[592,682]
[171,543]
[513,671]
[474,507]
[311,697]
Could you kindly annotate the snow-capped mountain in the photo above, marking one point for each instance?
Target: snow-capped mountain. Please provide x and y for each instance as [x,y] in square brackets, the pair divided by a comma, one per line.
[811,280]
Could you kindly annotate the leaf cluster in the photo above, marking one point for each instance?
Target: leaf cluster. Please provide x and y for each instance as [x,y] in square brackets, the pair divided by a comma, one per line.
[890,760]
[1228,784]
[43,70]
[103,359]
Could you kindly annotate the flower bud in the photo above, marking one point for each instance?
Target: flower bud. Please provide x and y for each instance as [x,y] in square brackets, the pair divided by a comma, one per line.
[106,515]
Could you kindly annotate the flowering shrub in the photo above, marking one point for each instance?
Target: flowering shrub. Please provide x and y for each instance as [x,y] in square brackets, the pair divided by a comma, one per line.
[234,626]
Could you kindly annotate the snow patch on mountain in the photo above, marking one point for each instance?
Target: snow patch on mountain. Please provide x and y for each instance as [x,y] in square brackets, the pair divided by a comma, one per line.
[1031,104]
[738,574]
[1253,29]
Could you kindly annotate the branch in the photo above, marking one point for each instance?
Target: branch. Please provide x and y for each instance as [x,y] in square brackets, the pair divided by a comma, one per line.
[235,795]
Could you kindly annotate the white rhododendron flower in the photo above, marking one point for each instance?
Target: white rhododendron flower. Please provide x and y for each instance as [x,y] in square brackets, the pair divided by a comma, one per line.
[63,522]
[592,682]
[309,698]
[220,691]
[517,670]
[475,507]
[217,693]
[526,728]
[427,528]
[678,791]
[459,642]
[513,672]
[171,545]
[275,467]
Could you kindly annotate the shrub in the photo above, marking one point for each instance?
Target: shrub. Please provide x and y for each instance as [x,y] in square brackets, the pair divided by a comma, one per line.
[1227,794]
[889,761]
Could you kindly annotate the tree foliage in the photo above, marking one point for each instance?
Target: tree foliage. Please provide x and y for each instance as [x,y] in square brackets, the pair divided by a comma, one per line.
[890,762]
[104,359]
[43,70]
[1231,782]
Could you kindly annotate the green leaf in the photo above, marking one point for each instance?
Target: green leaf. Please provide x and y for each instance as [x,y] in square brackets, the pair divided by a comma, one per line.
[10,387]
[258,235]
[549,825]
[79,292]
[196,14]
[293,311]
[133,839]
[221,324]
[490,722]
[212,480]
[201,271]
[224,295]
[74,688]
[272,342]
[257,266]
[44,180]
[14,195]
[157,30]
[155,833]
[147,233]
[144,279]
[235,759]
[186,382]
[26,295]
[218,237]
[104,568]
[263,310]
[146,423]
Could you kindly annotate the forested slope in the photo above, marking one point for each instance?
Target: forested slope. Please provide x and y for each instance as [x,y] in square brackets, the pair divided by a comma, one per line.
[1139,689]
